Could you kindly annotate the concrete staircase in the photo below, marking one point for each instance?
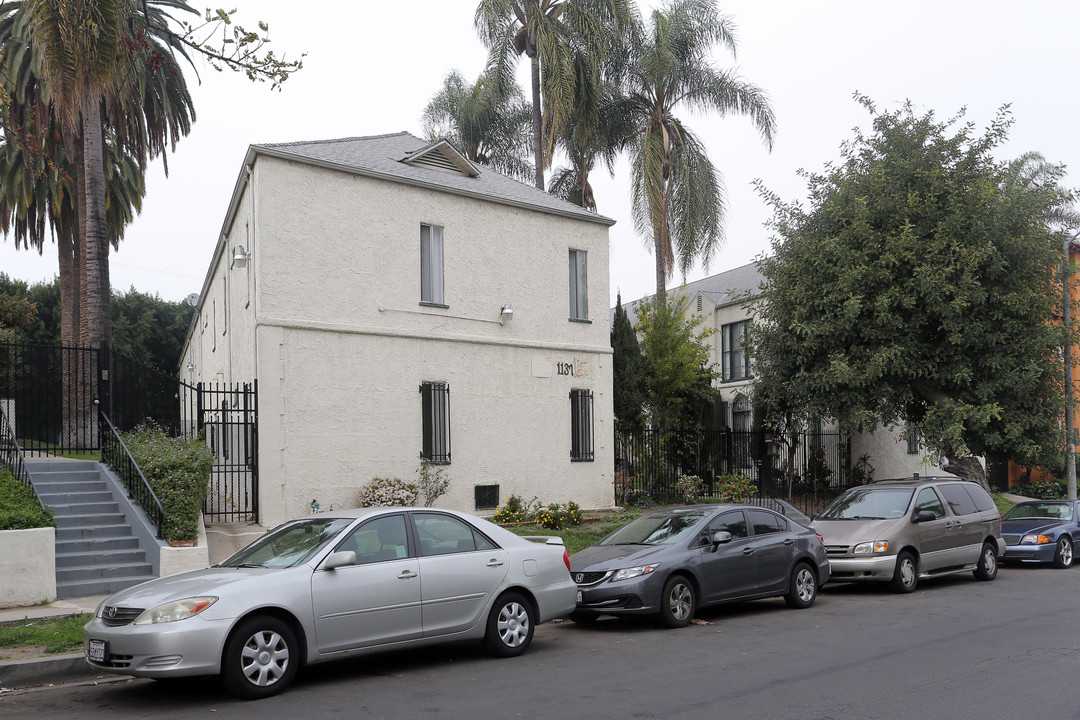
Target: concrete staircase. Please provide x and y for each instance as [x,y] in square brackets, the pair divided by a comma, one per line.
[97,553]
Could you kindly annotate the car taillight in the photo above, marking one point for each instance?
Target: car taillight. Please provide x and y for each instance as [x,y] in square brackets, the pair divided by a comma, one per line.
[566,560]
[821,539]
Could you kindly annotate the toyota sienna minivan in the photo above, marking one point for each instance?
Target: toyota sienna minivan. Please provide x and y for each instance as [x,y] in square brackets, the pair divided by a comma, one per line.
[898,531]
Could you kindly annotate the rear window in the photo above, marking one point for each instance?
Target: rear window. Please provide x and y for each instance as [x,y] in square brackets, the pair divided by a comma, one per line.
[959,500]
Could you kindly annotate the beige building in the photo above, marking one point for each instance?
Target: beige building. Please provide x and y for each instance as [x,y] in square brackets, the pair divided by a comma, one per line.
[723,302]
[395,303]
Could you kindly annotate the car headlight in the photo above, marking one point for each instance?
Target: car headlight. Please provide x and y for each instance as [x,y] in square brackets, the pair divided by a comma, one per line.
[628,573]
[176,610]
[871,548]
[1034,540]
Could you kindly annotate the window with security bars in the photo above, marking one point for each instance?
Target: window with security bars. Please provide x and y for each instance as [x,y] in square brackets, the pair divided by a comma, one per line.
[581,425]
[435,403]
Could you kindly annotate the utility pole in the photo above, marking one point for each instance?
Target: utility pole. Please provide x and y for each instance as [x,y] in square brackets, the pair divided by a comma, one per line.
[1066,315]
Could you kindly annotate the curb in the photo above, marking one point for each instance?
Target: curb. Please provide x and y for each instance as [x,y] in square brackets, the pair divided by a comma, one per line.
[42,671]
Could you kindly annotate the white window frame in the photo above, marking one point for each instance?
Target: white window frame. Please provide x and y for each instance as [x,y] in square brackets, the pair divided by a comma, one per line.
[579,285]
[432,271]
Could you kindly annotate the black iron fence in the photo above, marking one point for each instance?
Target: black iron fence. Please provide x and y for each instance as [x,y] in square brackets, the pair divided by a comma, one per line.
[11,455]
[53,397]
[806,470]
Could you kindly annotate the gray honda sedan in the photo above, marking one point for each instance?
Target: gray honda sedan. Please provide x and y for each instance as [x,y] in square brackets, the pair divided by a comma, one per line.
[334,586]
[669,562]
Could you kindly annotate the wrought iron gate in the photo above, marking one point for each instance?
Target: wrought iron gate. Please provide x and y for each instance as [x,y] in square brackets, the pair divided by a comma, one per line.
[228,417]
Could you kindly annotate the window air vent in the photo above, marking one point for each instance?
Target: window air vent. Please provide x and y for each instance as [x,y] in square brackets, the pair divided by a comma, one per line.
[487,497]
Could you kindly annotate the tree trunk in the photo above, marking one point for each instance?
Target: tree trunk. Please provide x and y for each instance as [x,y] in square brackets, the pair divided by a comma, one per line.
[95,234]
[537,124]
[968,467]
[661,271]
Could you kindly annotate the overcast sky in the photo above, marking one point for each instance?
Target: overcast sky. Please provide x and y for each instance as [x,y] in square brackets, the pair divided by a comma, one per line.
[372,67]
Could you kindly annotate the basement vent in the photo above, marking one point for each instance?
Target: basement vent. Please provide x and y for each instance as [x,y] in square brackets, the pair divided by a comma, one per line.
[487,497]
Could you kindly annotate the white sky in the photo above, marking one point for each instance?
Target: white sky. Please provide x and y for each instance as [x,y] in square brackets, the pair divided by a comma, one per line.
[372,67]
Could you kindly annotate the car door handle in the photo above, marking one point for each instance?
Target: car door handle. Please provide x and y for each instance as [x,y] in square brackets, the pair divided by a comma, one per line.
[406,575]
[748,551]
[789,542]
[494,562]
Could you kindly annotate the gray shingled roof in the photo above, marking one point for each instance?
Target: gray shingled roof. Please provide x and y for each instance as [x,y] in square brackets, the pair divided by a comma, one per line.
[381,156]
[732,286]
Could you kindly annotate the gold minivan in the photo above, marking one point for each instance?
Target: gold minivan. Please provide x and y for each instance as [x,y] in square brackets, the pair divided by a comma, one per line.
[899,531]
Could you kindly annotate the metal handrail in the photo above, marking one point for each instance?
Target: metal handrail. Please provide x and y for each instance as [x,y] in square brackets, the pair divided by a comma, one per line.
[11,455]
[116,454]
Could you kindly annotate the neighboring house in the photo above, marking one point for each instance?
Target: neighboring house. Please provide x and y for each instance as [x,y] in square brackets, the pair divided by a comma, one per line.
[395,303]
[723,302]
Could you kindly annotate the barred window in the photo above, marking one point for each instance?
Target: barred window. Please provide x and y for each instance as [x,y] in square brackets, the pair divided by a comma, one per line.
[581,425]
[435,404]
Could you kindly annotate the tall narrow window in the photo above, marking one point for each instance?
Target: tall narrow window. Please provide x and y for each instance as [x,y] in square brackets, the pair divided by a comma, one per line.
[581,425]
[735,361]
[431,265]
[435,404]
[912,441]
[579,287]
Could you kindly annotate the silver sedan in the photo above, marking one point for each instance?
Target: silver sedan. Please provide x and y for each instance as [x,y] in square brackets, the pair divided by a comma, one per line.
[332,586]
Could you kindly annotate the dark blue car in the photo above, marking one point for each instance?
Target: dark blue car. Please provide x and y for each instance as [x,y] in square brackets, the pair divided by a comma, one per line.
[1042,531]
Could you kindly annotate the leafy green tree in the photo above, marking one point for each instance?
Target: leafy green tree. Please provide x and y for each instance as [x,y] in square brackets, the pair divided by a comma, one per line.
[555,35]
[918,289]
[676,350]
[678,198]
[487,121]
[16,314]
[628,371]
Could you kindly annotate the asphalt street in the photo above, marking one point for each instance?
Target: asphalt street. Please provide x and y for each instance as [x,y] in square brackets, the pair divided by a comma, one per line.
[956,648]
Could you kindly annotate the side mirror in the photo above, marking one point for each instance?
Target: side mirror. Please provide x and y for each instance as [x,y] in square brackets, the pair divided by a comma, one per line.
[721,537]
[339,559]
[924,516]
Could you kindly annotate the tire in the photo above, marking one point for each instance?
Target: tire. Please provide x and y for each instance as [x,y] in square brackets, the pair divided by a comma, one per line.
[510,625]
[988,563]
[802,591]
[677,603]
[261,658]
[906,575]
[583,618]
[1063,554]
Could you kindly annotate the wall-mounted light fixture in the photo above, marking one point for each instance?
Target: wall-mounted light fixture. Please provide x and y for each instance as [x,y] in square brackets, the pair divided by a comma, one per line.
[190,366]
[240,257]
[507,313]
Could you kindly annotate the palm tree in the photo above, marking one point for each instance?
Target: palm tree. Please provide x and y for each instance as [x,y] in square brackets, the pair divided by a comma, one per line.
[678,198]
[487,122]
[552,34]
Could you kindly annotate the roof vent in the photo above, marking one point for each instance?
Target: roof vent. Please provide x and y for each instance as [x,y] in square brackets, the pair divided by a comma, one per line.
[443,157]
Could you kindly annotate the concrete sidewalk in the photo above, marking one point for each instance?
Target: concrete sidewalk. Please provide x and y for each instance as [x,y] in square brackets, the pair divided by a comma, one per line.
[222,541]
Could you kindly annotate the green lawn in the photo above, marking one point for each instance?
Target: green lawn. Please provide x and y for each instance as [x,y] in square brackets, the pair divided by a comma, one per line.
[587,533]
[60,635]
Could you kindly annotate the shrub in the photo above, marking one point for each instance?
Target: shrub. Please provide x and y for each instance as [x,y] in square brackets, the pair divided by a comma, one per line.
[557,517]
[19,507]
[516,510]
[689,488]
[1052,490]
[733,488]
[433,482]
[178,470]
[640,499]
[387,492]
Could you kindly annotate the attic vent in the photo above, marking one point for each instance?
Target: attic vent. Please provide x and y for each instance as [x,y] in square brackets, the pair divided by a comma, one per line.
[443,157]
[699,303]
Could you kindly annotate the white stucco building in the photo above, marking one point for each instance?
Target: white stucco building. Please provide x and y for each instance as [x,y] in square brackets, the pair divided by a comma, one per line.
[723,302]
[394,302]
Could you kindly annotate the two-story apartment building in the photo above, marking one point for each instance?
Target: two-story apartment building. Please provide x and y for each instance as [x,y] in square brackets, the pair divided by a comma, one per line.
[396,303]
[722,300]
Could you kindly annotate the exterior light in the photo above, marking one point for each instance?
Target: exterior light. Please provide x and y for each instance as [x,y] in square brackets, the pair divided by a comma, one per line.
[240,257]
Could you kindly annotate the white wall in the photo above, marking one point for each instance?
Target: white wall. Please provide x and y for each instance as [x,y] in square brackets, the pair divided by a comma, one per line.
[887,450]
[27,567]
[327,315]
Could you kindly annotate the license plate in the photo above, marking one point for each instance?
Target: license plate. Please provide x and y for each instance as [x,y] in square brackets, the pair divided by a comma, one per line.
[578,597]
[95,651]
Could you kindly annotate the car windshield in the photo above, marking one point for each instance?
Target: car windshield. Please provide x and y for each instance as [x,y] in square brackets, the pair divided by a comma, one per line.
[1048,511]
[869,504]
[289,545]
[665,528]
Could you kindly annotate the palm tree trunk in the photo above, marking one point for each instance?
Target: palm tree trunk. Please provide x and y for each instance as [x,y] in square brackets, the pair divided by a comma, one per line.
[96,234]
[537,125]
[661,271]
